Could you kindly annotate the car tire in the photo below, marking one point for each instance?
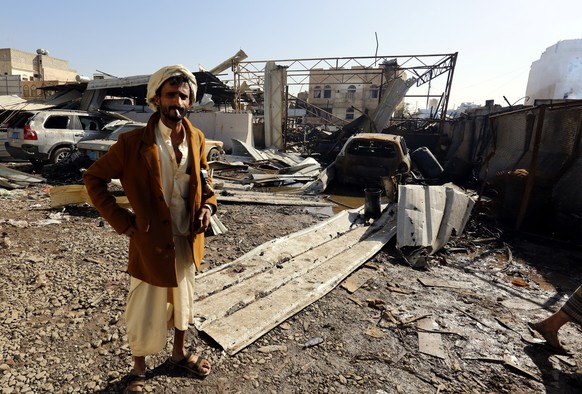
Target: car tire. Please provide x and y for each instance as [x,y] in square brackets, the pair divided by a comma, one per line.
[213,155]
[59,154]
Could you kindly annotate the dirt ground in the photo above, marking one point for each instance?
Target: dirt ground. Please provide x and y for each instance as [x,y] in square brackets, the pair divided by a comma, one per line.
[63,287]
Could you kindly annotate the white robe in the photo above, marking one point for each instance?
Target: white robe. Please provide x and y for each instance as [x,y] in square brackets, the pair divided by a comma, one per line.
[152,310]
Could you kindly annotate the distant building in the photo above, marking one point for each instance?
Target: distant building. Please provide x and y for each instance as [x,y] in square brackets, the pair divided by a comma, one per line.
[557,75]
[348,93]
[35,70]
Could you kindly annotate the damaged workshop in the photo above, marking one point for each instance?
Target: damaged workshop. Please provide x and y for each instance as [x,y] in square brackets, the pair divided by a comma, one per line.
[359,245]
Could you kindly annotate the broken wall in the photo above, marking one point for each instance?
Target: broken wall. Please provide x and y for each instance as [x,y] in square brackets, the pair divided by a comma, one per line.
[529,160]
[221,126]
[225,126]
[275,83]
[10,85]
[462,146]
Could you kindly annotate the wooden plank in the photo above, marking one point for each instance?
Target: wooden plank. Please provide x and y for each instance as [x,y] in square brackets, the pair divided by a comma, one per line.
[77,194]
[231,318]
[430,343]
[68,195]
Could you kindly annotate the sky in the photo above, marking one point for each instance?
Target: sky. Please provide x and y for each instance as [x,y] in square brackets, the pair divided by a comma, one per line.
[496,41]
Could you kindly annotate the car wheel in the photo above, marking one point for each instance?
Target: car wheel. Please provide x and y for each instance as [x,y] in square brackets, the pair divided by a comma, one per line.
[59,154]
[213,155]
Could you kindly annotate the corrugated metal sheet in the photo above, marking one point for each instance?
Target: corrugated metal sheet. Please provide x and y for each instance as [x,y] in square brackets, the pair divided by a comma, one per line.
[15,103]
[427,218]
[63,98]
[309,264]
[136,80]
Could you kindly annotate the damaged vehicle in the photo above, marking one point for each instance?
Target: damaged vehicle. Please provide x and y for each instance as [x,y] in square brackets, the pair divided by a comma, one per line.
[95,148]
[366,158]
[48,136]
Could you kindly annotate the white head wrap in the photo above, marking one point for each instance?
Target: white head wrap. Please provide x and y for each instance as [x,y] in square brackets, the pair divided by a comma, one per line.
[159,77]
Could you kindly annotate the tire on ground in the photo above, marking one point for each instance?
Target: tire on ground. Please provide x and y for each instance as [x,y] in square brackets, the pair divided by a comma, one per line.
[59,154]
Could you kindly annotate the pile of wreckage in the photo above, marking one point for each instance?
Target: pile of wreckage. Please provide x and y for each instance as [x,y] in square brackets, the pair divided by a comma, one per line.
[312,261]
[522,162]
[532,154]
[517,166]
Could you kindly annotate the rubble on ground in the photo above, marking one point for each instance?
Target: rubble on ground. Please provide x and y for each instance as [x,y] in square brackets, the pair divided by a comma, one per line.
[457,325]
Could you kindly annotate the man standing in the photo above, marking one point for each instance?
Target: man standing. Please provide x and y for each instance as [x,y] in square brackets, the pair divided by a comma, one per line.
[159,167]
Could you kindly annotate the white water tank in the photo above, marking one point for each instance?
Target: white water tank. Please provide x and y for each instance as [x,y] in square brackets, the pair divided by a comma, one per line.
[557,74]
[82,78]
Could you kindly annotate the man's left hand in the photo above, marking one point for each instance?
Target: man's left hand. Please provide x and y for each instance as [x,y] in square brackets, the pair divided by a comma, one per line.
[203,218]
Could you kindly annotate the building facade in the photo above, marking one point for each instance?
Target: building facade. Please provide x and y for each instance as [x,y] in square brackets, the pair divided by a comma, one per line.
[348,93]
[36,70]
[557,74]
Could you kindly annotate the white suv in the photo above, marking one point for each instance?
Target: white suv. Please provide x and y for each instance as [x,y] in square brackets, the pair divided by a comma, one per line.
[48,136]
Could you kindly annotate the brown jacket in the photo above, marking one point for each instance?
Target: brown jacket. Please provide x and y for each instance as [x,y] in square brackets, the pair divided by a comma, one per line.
[135,161]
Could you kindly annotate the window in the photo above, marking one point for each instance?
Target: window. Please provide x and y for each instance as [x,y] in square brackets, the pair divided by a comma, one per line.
[57,122]
[20,121]
[351,92]
[25,91]
[327,91]
[317,92]
[350,113]
[372,148]
[374,91]
[92,122]
[32,91]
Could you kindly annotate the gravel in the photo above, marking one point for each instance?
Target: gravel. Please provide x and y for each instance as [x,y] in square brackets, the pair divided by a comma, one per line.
[63,287]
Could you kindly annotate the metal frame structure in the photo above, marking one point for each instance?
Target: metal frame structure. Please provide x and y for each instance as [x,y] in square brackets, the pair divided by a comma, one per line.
[426,69]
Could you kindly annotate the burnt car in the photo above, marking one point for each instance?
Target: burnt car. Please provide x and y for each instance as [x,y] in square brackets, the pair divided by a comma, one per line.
[366,158]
